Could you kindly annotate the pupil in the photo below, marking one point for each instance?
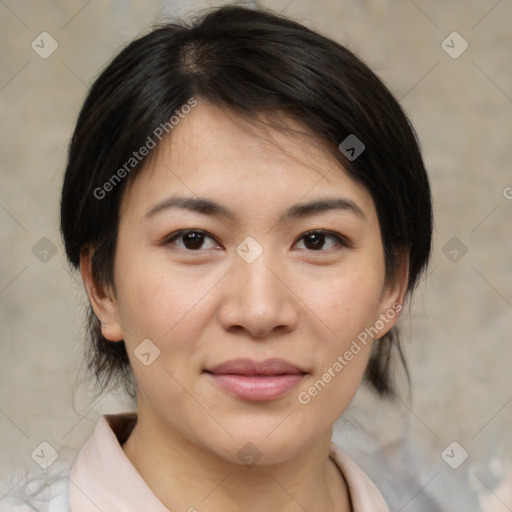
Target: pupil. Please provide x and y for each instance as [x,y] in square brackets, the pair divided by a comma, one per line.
[315,240]
[193,240]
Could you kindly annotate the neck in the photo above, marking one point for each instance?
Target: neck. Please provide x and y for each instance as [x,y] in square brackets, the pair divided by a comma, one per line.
[185,476]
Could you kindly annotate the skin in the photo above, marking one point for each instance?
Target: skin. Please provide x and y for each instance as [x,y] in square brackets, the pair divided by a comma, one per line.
[204,306]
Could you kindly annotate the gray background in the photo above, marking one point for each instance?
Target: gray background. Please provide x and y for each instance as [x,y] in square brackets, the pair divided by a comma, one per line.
[458,328]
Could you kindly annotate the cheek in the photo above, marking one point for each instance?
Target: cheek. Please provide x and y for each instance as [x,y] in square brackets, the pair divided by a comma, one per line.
[152,296]
[347,301]
[170,310]
[348,307]
[347,304]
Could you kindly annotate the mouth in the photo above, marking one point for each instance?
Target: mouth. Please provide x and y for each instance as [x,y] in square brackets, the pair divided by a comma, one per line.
[250,380]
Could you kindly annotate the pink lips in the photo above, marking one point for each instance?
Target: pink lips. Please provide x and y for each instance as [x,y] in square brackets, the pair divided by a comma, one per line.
[256,381]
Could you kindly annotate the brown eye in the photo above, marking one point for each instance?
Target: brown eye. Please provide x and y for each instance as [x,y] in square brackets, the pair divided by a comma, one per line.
[192,240]
[320,240]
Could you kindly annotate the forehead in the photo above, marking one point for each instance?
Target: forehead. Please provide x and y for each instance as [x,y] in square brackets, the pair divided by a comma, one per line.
[217,153]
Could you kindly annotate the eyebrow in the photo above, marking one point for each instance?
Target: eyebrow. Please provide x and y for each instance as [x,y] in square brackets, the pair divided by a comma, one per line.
[209,207]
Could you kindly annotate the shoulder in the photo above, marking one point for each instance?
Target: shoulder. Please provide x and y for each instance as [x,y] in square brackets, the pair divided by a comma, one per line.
[364,495]
[49,490]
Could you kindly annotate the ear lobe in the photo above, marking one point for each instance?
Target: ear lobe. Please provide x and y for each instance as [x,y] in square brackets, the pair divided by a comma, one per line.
[393,295]
[103,301]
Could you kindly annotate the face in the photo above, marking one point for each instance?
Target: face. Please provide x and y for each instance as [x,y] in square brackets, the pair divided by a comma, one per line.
[255,267]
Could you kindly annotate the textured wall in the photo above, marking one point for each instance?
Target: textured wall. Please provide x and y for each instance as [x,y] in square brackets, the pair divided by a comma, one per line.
[458,331]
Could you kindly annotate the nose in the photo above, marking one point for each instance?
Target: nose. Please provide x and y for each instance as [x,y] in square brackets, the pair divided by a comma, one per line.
[257,300]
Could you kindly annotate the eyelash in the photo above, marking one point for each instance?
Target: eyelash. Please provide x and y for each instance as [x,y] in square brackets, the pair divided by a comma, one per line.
[341,241]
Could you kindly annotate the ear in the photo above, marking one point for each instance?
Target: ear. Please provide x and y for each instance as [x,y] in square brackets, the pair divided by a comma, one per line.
[102,300]
[393,296]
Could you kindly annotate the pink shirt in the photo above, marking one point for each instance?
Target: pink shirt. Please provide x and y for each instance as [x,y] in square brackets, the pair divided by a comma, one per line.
[103,478]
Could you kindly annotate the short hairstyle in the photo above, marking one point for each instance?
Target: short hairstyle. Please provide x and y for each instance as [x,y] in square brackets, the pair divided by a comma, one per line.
[250,62]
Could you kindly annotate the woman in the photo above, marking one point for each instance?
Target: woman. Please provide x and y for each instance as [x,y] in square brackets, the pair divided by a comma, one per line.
[248,208]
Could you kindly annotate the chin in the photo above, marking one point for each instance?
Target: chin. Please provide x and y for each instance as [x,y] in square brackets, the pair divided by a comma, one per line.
[263,443]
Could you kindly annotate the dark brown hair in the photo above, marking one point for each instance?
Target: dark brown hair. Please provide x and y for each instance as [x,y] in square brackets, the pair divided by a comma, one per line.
[250,62]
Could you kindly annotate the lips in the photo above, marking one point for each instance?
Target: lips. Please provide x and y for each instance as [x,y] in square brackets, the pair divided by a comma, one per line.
[250,367]
[250,380]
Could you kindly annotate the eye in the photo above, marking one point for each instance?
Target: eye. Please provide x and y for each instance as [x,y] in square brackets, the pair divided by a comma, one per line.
[192,240]
[320,240]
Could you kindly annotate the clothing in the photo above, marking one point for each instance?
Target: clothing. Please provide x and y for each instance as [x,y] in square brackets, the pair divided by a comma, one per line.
[103,478]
